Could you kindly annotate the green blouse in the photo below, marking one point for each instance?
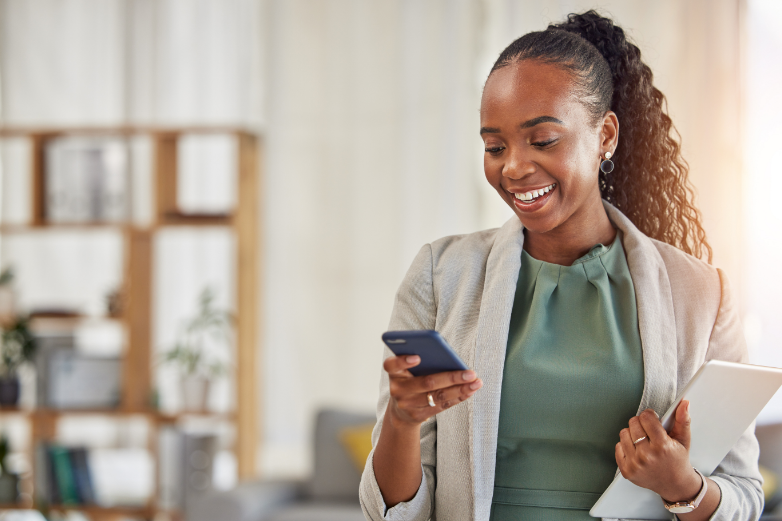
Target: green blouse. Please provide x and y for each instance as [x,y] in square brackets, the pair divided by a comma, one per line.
[573,377]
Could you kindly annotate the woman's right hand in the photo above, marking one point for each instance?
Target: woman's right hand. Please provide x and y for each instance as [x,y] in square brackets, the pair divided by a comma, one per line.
[409,402]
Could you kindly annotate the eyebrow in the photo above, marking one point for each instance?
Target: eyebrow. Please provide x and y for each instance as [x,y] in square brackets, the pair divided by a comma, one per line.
[527,124]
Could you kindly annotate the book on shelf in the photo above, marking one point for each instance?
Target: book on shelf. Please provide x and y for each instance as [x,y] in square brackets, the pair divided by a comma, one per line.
[63,475]
[48,343]
[185,467]
[81,381]
[86,179]
[82,475]
[70,379]
[105,477]
[64,478]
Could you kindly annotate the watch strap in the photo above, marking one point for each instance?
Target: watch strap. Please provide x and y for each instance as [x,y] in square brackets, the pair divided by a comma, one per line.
[683,507]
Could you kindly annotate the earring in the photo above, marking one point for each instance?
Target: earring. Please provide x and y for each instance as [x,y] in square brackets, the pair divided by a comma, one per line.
[607,166]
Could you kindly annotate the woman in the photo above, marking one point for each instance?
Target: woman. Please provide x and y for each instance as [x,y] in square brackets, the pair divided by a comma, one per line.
[582,315]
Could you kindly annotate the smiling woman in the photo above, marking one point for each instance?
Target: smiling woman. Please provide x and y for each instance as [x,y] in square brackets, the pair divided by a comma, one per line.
[581,316]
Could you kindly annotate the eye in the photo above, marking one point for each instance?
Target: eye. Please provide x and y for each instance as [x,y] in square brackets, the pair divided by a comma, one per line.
[495,151]
[544,144]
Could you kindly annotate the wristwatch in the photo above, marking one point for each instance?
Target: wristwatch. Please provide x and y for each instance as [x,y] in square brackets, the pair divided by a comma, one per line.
[684,507]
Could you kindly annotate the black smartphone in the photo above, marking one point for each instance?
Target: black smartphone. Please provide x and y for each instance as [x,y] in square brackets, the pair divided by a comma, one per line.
[436,355]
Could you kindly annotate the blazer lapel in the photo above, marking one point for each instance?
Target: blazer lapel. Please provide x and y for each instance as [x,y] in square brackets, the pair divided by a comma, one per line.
[656,323]
[656,319]
[502,271]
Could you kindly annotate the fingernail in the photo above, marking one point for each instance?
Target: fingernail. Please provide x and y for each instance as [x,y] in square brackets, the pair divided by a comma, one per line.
[655,413]
[412,359]
[468,375]
[476,385]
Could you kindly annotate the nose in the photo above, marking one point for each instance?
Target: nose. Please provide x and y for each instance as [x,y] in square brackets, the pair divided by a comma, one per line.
[517,165]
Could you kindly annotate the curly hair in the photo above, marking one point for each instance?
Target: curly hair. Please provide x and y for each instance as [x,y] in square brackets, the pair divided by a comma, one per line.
[650,183]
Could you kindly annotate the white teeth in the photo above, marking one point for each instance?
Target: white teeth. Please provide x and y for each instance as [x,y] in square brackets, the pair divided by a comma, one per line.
[528,196]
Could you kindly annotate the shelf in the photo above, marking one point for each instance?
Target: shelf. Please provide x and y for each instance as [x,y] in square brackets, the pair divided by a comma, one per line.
[155,415]
[180,219]
[13,410]
[17,506]
[36,316]
[119,131]
[175,417]
[142,511]
[137,293]
[38,227]
[172,219]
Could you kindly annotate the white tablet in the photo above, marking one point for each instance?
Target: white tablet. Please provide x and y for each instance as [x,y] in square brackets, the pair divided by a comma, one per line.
[725,398]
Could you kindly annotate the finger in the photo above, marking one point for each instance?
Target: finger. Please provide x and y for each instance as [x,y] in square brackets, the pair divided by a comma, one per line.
[626,440]
[681,425]
[450,396]
[620,456]
[637,431]
[399,365]
[433,382]
[651,424]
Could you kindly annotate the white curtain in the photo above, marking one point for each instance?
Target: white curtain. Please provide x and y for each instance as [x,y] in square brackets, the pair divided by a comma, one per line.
[369,112]
[762,182]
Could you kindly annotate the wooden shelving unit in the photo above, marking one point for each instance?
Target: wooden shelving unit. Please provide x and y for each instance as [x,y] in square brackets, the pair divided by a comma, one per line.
[137,291]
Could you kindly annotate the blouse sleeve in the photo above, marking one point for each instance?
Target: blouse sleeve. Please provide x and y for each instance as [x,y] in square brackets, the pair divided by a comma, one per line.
[737,475]
[414,309]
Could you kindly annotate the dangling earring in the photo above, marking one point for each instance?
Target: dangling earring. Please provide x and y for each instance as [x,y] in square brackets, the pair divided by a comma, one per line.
[607,166]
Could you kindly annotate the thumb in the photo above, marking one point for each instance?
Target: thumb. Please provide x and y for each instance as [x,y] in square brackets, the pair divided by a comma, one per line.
[681,425]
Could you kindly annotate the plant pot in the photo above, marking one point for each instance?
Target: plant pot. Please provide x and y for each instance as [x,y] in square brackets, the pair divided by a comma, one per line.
[9,391]
[9,488]
[195,391]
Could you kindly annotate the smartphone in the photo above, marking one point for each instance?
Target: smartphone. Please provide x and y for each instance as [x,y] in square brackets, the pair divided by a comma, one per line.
[436,355]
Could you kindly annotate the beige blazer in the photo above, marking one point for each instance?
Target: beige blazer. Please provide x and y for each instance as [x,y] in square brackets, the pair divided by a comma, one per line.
[463,286]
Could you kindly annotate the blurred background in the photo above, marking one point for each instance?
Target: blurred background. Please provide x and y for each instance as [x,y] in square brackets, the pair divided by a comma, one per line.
[207,206]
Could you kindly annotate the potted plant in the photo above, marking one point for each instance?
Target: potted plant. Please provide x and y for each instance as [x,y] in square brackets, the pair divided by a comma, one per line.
[197,365]
[17,346]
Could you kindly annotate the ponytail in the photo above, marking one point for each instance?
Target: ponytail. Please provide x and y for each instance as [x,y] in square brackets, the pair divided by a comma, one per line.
[649,184]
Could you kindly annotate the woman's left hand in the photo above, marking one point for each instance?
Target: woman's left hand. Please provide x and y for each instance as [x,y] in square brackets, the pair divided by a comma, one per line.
[660,461]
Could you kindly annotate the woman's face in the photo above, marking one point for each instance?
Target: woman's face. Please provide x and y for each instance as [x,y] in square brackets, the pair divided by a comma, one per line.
[543,150]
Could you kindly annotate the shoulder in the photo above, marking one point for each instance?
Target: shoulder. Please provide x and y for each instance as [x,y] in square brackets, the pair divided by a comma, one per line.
[689,276]
[463,250]
[446,261]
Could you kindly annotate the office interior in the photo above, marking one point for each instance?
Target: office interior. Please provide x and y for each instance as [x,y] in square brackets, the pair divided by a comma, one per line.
[207,206]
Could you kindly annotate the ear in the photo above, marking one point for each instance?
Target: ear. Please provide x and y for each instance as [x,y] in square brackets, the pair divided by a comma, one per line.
[609,132]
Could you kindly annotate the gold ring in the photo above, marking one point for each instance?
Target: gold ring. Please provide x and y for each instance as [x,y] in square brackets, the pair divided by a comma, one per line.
[431,400]
[639,440]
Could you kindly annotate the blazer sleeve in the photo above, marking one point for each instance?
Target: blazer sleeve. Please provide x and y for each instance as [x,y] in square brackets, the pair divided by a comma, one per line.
[414,309]
[737,475]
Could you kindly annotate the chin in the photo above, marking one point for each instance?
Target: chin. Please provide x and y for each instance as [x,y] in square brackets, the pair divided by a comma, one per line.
[538,222]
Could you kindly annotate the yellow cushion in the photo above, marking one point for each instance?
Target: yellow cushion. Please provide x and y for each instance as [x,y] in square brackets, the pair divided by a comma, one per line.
[770,482]
[358,442]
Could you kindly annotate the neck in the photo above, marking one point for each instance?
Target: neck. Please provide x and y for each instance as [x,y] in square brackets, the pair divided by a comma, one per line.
[573,238]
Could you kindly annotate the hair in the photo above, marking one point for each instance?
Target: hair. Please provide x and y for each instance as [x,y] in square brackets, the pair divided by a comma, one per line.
[649,183]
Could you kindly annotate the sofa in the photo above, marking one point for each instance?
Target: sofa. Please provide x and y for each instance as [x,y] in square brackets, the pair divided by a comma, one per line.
[770,440]
[331,493]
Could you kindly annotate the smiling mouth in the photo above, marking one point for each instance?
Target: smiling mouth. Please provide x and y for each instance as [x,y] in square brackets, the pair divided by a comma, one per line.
[532,196]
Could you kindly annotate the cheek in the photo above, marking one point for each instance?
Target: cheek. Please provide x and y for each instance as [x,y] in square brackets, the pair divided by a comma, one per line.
[492,171]
[581,169]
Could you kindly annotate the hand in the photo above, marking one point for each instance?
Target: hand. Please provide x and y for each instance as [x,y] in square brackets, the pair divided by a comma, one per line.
[661,462]
[409,403]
